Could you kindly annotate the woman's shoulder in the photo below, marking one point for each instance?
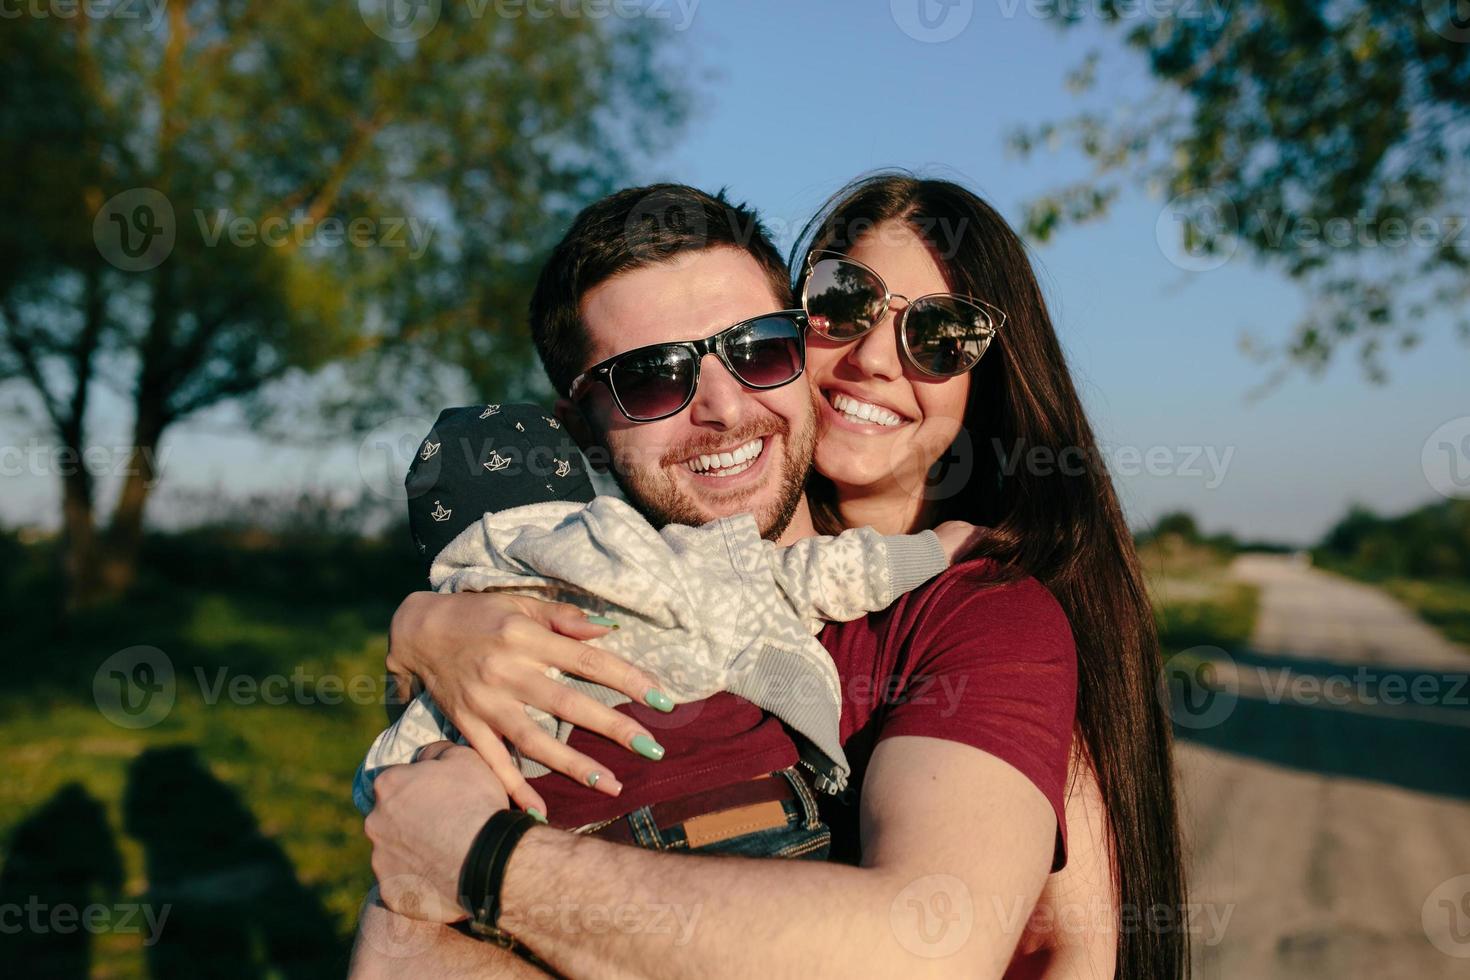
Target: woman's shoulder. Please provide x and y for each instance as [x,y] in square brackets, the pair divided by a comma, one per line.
[996,596]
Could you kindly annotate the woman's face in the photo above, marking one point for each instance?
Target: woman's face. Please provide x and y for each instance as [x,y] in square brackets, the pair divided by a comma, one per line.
[883,423]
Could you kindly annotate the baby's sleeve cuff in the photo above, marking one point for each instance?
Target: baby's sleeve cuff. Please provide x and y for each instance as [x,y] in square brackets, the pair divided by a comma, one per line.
[914,559]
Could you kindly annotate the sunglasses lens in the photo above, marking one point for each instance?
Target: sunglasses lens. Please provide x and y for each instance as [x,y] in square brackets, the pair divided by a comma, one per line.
[767,352]
[653,383]
[843,300]
[947,335]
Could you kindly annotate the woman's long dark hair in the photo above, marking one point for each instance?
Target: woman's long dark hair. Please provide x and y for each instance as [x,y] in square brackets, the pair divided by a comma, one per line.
[1060,523]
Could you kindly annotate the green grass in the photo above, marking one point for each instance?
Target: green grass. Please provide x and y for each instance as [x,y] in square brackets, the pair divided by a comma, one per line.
[1195,601]
[235,812]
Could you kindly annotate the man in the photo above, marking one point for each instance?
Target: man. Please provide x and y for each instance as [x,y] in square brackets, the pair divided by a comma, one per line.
[959,830]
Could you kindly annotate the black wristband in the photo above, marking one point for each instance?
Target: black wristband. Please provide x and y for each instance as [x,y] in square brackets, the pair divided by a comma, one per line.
[484,865]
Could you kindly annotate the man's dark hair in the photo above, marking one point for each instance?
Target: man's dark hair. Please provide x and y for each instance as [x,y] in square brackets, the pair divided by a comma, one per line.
[631,229]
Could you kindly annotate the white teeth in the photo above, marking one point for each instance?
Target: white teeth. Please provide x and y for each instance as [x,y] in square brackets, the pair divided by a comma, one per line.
[735,461]
[863,411]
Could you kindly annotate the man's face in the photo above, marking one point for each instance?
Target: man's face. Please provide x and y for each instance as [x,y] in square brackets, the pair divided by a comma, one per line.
[695,295]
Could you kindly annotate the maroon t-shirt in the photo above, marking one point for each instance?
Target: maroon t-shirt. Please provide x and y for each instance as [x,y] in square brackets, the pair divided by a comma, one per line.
[961,658]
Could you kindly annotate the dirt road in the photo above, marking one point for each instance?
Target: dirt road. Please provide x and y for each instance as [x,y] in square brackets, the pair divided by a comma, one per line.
[1327,796]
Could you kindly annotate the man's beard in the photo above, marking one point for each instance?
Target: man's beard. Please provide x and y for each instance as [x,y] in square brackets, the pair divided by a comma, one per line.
[660,499]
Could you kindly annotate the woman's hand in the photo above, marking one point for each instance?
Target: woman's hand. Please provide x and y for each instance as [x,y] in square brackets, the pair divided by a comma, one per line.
[483,657]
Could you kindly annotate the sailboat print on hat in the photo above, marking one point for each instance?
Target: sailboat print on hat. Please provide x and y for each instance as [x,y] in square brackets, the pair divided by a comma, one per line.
[440,512]
[563,467]
[489,411]
[497,461]
[430,448]
[552,422]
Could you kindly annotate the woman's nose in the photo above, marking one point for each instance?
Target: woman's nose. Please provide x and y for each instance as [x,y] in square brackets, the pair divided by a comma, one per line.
[876,353]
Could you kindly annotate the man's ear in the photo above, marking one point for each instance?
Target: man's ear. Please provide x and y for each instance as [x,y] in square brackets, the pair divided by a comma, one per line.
[571,416]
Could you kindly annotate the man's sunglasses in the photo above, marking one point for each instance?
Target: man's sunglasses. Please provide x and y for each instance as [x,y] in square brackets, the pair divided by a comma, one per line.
[941,334]
[655,382]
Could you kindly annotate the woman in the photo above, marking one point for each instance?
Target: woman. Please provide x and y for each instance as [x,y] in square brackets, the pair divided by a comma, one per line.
[1058,521]
[906,393]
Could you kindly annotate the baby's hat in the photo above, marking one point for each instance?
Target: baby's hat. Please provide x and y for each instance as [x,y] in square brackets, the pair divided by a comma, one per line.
[485,458]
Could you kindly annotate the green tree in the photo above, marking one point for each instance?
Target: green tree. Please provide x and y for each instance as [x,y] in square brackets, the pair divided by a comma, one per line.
[1329,140]
[246,192]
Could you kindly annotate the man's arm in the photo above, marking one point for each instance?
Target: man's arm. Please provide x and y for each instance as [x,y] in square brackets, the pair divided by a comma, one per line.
[394,947]
[957,846]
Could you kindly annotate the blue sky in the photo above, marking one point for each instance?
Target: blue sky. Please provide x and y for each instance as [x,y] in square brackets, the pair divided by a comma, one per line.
[797,97]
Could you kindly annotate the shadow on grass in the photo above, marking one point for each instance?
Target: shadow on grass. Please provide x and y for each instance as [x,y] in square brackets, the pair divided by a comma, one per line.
[62,875]
[228,897]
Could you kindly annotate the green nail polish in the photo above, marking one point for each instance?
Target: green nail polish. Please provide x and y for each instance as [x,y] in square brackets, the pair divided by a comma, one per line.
[593,777]
[658,699]
[597,620]
[647,747]
[536,814]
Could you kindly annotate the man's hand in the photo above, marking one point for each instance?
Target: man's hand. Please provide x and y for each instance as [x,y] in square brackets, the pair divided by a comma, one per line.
[427,816]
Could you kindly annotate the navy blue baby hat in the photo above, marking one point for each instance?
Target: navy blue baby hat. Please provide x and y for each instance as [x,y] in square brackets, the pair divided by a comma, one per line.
[486,458]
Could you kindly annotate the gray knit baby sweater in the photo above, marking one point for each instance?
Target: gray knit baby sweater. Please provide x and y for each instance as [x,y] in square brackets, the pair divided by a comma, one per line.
[702,610]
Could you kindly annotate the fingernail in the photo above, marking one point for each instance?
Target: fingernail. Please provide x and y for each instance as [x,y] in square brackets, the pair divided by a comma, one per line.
[658,699]
[536,814]
[597,620]
[647,747]
[604,783]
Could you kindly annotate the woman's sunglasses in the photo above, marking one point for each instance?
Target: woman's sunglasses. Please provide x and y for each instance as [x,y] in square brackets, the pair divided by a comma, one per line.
[941,334]
[655,382]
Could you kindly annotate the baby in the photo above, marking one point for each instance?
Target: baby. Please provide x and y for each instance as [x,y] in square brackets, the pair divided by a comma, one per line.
[501,501]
